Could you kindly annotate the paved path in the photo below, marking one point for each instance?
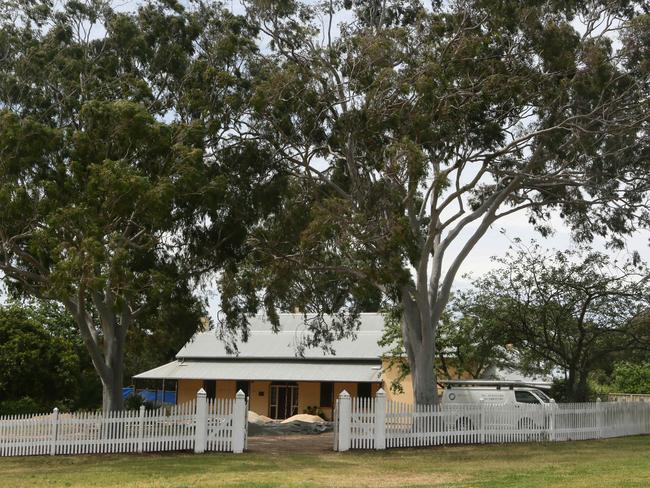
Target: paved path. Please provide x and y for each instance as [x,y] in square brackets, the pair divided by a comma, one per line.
[308,444]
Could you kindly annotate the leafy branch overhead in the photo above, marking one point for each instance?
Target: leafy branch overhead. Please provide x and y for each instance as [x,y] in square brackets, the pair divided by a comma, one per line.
[415,129]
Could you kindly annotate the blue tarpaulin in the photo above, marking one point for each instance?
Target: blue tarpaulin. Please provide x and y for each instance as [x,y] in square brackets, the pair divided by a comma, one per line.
[155,396]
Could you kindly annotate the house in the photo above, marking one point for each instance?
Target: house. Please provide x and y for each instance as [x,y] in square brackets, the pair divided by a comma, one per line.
[278,382]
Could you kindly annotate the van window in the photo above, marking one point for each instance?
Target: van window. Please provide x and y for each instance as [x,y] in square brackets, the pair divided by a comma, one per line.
[545,398]
[523,396]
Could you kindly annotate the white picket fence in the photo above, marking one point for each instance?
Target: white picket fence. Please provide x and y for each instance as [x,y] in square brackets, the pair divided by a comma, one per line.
[377,423]
[199,425]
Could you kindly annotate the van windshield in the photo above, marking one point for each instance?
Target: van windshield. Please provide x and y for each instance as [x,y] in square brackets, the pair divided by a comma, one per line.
[542,396]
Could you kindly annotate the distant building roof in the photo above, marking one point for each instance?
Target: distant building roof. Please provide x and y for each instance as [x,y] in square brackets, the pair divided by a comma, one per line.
[263,343]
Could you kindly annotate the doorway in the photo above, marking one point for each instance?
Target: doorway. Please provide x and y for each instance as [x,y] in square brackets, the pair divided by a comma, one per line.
[283,402]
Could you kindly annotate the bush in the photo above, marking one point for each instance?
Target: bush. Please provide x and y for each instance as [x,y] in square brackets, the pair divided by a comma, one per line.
[23,406]
[631,378]
[135,401]
[314,411]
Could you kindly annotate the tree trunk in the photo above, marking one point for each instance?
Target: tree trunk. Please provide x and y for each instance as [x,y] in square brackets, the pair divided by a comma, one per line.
[571,389]
[112,393]
[420,346]
[424,379]
[107,351]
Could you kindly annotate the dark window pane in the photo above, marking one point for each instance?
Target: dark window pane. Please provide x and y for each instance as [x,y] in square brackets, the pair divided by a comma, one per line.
[210,387]
[525,397]
[326,393]
[243,386]
[363,390]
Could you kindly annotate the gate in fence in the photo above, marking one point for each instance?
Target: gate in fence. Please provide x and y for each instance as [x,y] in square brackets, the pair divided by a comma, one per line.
[377,423]
[199,425]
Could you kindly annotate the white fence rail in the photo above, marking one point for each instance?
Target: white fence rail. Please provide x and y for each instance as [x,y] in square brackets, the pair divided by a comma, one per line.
[377,423]
[200,425]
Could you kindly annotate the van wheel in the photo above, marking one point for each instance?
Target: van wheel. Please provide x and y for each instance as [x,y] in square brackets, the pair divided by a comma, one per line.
[464,424]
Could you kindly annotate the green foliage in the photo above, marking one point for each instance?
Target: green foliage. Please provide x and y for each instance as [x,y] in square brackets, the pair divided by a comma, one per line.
[469,343]
[22,406]
[631,378]
[134,402]
[574,311]
[43,363]
[314,410]
[414,130]
[118,189]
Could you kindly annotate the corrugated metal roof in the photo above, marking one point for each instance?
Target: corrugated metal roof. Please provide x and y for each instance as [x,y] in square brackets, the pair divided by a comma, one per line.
[266,371]
[263,343]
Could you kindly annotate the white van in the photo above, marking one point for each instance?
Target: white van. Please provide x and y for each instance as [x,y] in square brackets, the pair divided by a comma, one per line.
[462,397]
[492,392]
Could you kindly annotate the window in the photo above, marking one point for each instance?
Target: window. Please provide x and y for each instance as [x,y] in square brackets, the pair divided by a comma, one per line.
[210,387]
[540,394]
[363,390]
[523,396]
[326,393]
[243,386]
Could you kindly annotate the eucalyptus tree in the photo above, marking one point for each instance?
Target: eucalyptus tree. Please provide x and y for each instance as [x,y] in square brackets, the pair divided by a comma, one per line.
[113,168]
[409,131]
[574,311]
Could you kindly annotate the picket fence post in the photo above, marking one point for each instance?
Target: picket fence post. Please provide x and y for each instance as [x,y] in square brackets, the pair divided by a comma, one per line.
[141,429]
[201,432]
[345,420]
[551,421]
[239,423]
[380,419]
[599,418]
[54,431]
[482,421]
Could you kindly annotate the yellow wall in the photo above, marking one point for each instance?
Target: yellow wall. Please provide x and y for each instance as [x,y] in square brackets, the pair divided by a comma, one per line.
[308,395]
[259,404]
[389,373]
[226,389]
[351,388]
[187,390]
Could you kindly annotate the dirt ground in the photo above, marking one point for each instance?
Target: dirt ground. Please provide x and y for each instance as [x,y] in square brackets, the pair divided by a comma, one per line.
[307,444]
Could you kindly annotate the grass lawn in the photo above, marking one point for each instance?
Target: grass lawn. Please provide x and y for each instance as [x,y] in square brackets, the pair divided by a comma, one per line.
[623,462]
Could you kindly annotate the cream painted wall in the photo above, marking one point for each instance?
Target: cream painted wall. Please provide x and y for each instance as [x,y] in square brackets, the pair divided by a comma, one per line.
[259,403]
[308,395]
[351,388]
[226,388]
[187,390]
[388,375]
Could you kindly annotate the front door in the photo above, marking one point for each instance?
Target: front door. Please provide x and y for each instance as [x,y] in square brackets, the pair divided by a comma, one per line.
[284,400]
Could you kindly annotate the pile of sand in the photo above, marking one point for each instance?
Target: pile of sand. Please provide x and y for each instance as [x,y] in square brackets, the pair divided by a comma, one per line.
[304,417]
[255,418]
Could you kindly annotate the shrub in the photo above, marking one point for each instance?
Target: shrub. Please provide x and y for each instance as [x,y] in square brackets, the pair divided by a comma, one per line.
[25,405]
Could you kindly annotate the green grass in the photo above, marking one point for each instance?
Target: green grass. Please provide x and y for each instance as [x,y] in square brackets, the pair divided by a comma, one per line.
[621,462]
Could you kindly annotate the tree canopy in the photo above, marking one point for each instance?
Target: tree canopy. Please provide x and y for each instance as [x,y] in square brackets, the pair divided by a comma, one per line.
[415,129]
[115,171]
[43,363]
[568,312]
